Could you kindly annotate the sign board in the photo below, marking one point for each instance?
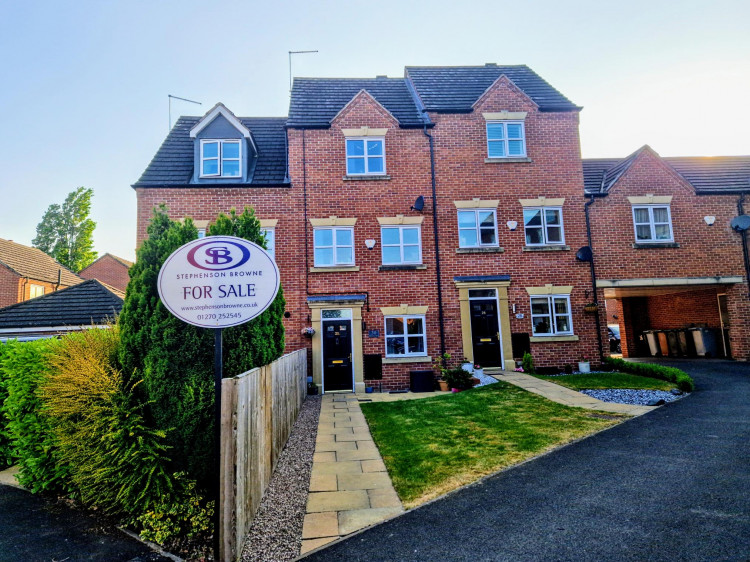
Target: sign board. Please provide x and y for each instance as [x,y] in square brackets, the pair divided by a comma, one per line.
[218,281]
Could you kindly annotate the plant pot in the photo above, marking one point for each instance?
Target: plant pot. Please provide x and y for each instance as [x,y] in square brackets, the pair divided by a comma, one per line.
[475,381]
[591,308]
[443,385]
[584,367]
[468,367]
[455,390]
[368,390]
[478,372]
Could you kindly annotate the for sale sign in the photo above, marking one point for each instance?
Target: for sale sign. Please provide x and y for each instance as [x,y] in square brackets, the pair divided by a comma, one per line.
[218,281]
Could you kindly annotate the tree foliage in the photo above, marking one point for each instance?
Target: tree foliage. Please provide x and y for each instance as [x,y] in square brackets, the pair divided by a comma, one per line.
[67,233]
[175,359]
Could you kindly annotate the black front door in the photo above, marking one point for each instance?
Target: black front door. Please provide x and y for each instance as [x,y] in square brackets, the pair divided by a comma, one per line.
[485,332]
[337,354]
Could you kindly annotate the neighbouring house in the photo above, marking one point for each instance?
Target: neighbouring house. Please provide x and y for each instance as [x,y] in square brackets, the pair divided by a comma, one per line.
[109,269]
[666,255]
[439,212]
[80,307]
[27,273]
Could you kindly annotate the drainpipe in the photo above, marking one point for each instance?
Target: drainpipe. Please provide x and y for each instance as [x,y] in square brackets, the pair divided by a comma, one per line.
[59,279]
[23,289]
[741,211]
[593,279]
[304,226]
[441,318]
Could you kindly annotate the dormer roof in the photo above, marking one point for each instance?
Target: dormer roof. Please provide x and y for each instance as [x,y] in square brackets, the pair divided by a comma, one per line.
[213,113]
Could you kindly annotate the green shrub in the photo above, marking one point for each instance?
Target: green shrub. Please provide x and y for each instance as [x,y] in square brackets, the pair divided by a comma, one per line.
[175,359]
[115,460]
[457,378]
[527,363]
[7,457]
[25,368]
[683,381]
[183,515]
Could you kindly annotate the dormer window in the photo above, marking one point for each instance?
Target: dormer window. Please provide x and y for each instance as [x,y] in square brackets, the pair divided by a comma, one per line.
[221,158]
[365,156]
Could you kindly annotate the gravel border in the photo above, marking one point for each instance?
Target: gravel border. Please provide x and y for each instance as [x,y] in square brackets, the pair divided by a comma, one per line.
[631,396]
[276,532]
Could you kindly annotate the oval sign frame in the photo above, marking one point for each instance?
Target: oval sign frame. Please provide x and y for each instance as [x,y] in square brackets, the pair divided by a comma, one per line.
[199,284]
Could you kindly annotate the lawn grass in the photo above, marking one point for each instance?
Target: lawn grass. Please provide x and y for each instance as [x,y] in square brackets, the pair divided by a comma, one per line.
[597,381]
[434,445]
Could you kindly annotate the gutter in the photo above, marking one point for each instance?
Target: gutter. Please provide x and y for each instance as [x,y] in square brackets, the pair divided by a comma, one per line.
[599,341]
[441,318]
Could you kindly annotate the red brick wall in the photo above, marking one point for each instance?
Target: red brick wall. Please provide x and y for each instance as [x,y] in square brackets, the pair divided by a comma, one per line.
[108,270]
[704,251]
[684,310]
[10,287]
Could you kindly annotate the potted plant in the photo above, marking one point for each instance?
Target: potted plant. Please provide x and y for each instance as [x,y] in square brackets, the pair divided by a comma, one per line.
[467,365]
[457,379]
[583,365]
[441,364]
[478,371]
[591,307]
[308,331]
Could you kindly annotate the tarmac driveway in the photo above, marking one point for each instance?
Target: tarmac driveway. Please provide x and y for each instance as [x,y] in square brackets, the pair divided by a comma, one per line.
[673,484]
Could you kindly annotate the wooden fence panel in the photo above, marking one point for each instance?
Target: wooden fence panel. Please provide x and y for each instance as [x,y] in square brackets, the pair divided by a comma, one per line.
[258,410]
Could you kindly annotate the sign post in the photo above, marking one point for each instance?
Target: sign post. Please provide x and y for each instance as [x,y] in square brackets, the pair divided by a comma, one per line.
[218,282]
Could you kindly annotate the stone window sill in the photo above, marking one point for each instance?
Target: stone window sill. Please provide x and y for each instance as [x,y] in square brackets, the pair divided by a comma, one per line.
[401,267]
[549,248]
[495,250]
[506,160]
[367,178]
[396,360]
[638,246]
[546,339]
[334,269]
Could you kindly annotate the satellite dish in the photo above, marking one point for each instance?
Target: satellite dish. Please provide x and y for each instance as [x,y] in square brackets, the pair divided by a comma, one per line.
[418,204]
[585,254]
[741,223]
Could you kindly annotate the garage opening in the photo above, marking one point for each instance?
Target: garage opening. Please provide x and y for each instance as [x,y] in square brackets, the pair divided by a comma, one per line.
[668,321]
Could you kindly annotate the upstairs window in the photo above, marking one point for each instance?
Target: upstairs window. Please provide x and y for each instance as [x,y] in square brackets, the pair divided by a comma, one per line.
[333,247]
[269,234]
[35,291]
[543,226]
[402,245]
[653,224]
[221,158]
[506,139]
[550,315]
[365,156]
[477,228]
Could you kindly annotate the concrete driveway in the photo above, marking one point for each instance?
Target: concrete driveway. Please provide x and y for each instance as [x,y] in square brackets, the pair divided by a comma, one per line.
[670,485]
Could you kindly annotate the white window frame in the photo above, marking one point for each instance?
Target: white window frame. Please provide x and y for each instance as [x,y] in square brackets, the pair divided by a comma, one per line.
[504,141]
[405,335]
[552,315]
[220,157]
[367,171]
[201,233]
[544,226]
[652,224]
[400,244]
[477,228]
[34,288]
[269,234]
[334,235]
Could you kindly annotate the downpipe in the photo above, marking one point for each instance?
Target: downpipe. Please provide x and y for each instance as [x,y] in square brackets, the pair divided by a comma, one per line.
[599,341]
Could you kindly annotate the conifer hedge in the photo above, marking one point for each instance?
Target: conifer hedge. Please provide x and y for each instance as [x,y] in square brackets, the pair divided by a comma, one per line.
[175,359]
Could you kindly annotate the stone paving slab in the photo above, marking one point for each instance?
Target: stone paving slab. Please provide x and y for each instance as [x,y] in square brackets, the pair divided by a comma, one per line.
[349,488]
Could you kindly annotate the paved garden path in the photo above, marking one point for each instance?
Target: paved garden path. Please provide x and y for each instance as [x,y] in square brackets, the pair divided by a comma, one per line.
[349,485]
[672,485]
[567,396]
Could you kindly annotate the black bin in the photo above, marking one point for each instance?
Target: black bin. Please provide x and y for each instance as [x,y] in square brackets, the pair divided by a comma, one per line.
[421,381]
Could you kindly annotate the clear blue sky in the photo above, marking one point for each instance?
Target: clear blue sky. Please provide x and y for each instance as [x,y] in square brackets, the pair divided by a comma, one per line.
[83,95]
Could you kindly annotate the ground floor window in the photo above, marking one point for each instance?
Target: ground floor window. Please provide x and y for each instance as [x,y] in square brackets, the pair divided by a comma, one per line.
[550,315]
[270,236]
[405,336]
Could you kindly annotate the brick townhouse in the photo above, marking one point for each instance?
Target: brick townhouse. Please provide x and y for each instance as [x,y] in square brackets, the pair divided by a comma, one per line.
[27,273]
[666,254]
[109,269]
[439,212]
